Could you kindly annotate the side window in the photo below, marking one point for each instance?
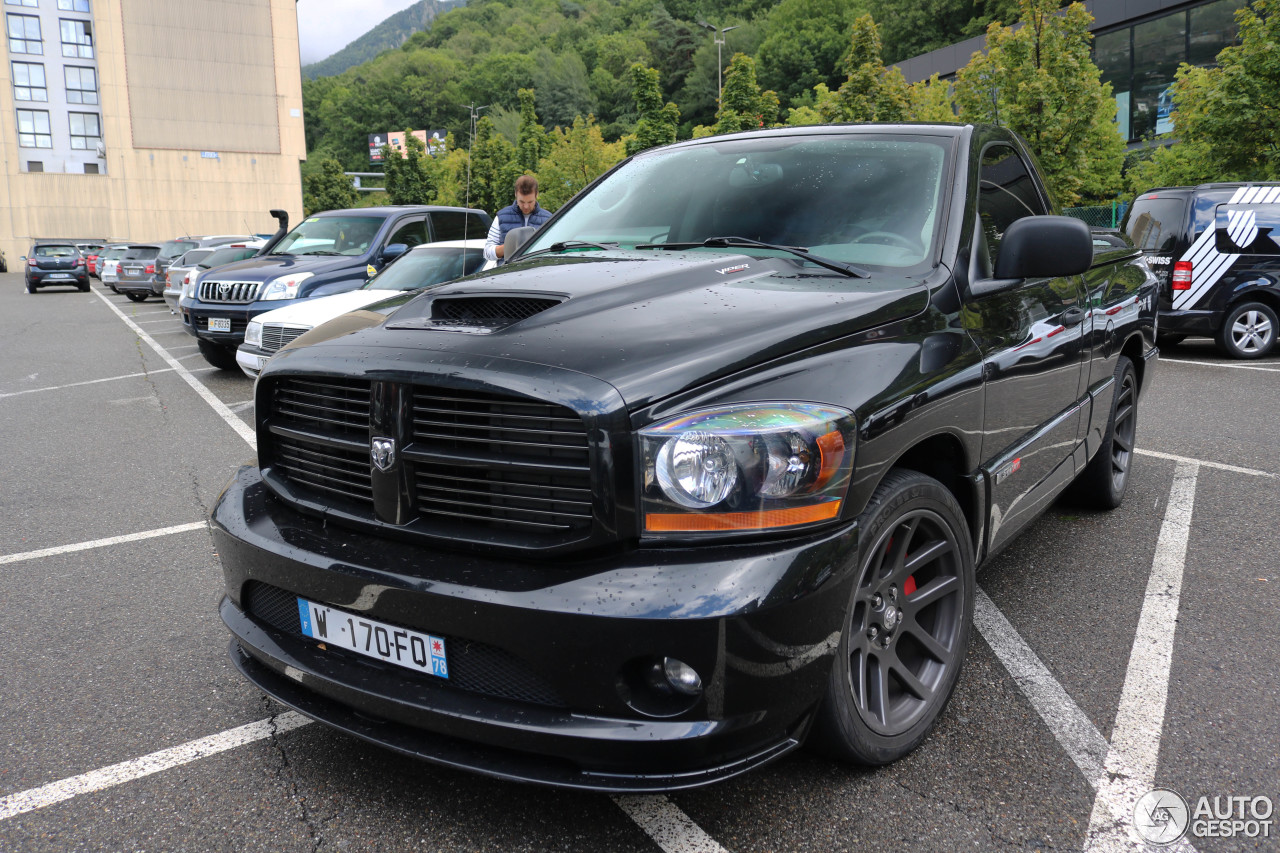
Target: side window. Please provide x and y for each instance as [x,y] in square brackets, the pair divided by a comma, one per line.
[412,233]
[456,225]
[1006,193]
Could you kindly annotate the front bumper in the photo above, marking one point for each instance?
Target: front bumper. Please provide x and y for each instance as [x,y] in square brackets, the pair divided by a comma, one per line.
[760,624]
[251,359]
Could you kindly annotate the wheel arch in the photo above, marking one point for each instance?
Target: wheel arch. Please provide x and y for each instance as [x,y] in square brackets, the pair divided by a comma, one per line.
[1133,350]
[942,456]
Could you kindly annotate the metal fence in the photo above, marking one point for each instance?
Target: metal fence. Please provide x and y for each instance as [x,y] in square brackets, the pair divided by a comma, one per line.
[1099,216]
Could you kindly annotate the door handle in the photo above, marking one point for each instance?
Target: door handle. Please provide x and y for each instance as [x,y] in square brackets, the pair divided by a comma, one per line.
[1072,317]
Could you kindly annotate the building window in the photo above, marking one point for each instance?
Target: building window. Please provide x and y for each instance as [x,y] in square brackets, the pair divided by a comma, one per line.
[82,85]
[86,131]
[91,168]
[1212,28]
[35,166]
[24,34]
[77,39]
[31,3]
[28,82]
[73,6]
[33,129]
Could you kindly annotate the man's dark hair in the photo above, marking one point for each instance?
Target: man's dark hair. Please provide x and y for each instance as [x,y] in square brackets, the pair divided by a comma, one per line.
[526,184]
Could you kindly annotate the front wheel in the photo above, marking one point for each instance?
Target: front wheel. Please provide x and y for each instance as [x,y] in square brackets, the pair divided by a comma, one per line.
[907,625]
[1248,331]
[218,356]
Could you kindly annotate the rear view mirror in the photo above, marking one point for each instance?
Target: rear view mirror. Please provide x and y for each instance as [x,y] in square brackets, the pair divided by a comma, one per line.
[1044,247]
[516,238]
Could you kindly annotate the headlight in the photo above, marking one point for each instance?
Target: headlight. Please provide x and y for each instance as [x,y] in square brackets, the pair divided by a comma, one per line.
[285,287]
[253,333]
[751,466]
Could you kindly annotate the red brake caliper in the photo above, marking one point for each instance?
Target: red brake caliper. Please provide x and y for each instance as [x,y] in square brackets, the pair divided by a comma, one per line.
[909,585]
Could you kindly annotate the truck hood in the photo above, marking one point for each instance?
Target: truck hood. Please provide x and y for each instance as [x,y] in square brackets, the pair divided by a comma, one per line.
[268,267]
[650,324]
[313,312]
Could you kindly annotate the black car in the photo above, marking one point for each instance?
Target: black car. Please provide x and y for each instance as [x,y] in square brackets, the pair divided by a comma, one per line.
[56,263]
[1216,249]
[136,272]
[703,472]
[330,252]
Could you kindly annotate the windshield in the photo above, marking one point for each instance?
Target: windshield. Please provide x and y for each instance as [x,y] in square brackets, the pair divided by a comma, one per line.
[218,257]
[866,200]
[427,266]
[55,251]
[193,257]
[330,235]
[173,248]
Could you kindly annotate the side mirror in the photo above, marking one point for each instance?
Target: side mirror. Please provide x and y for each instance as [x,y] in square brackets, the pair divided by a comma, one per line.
[516,238]
[394,250]
[1044,247]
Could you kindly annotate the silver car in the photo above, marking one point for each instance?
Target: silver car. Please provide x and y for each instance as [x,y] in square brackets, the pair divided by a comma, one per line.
[177,286]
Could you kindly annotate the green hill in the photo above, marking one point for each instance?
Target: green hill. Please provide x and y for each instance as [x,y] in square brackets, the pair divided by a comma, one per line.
[388,35]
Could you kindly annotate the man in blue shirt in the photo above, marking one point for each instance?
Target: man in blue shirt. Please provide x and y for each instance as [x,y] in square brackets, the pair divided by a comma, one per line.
[525,211]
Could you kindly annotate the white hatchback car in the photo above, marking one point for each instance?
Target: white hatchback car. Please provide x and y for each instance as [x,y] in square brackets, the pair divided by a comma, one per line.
[421,267]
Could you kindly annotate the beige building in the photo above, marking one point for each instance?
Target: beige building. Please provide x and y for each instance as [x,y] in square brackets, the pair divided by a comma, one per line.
[147,119]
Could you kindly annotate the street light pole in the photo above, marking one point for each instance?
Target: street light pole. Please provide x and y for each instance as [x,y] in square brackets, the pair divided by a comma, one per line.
[475,111]
[717,33]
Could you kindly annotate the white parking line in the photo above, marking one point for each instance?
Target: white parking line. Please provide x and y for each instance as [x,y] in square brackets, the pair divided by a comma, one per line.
[668,826]
[127,771]
[1220,364]
[1135,738]
[102,543]
[242,429]
[1204,463]
[85,382]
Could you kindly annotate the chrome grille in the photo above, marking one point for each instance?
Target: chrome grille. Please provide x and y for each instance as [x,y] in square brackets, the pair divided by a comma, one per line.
[332,470]
[275,336]
[329,406]
[229,292]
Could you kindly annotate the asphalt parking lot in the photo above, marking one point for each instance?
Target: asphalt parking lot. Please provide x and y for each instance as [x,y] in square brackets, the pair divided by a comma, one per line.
[1116,653]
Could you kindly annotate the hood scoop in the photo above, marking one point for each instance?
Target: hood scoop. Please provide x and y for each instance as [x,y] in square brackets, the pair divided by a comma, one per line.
[477,315]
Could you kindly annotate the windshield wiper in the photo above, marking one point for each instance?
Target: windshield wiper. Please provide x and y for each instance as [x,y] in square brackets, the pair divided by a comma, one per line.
[799,251]
[320,252]
[570,244]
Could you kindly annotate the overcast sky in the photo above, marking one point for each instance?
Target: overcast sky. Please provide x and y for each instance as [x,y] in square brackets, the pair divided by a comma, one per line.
[327,26]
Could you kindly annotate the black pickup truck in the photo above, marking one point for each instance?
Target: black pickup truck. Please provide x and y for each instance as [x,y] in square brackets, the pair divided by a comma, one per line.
[702,473]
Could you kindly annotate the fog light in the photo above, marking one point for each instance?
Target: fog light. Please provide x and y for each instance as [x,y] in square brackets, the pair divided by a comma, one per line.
[677,676]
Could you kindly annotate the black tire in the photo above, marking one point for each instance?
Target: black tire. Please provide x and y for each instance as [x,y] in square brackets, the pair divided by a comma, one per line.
[32,287]
[218,356]
[1248,330]
[134,296]
[114,289]
[1102,484]
[1169,340]
[84,288]
[907,625]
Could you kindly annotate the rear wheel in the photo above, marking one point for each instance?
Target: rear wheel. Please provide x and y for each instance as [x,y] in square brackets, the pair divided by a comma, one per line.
[84,287]
[32,287]
[218,356]
[1103,482]
[1248,331]
[136,297]
[907,625]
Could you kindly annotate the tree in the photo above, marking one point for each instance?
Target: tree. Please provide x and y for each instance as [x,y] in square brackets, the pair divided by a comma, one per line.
[742,105]
[1231,114]
[803,44]
[532,136]
[407,181]
[493,168]
[917,27]
[658,121]
[870,91]
[327,188]
[930,100]
[577,157]
[1040,82]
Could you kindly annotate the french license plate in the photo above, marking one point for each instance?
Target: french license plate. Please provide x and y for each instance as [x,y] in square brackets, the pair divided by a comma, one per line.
[400,646]
[57,275]
[219,324]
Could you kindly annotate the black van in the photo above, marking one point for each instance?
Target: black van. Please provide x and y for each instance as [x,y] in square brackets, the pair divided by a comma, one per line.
[1216,251]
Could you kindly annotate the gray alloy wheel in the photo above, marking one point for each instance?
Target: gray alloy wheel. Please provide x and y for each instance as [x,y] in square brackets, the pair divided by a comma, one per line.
[1248,331]
[1102,484]
[907,626]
